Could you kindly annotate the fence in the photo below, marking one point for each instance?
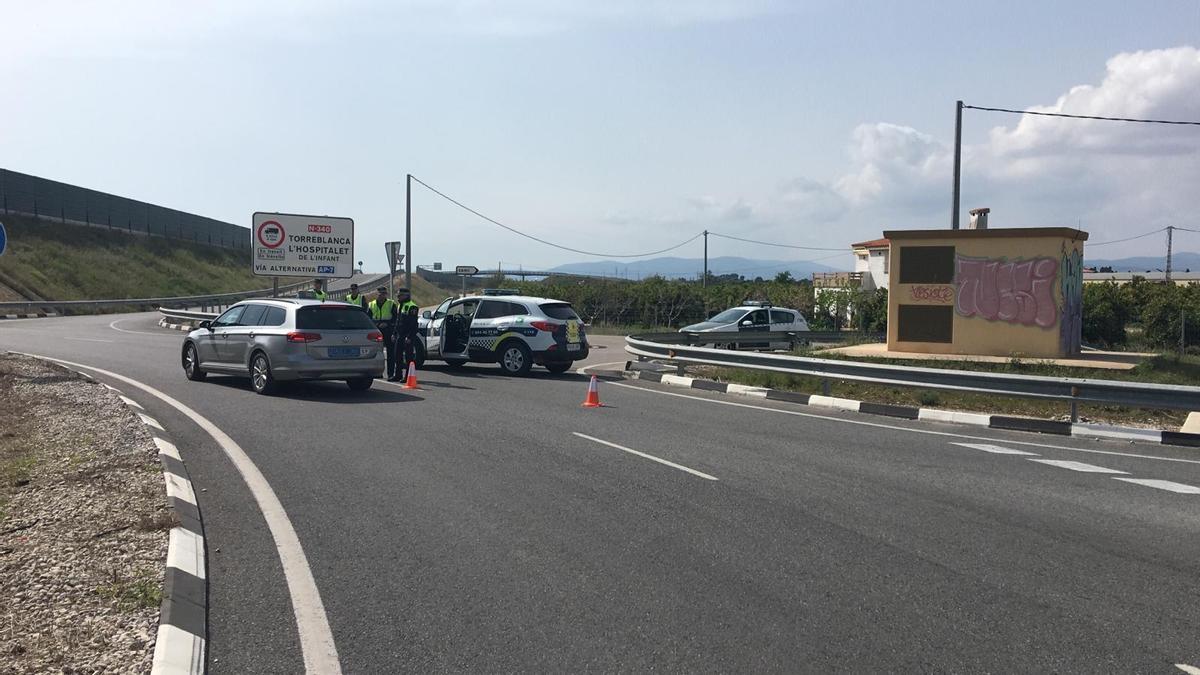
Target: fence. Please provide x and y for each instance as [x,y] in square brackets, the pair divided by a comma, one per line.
[59,202]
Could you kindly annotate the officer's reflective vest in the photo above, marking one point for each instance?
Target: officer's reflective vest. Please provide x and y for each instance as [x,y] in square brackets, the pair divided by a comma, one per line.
[382,312]
[354,300]
[408,304]
[320,295]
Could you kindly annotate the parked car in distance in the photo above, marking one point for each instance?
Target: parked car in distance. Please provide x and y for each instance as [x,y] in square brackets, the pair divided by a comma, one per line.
[750,318]
[272,341]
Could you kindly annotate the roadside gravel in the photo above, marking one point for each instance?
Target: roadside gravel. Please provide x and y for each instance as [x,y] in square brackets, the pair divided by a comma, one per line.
[83,526]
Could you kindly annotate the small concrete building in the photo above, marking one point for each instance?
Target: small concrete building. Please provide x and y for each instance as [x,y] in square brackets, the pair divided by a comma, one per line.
[1002,292]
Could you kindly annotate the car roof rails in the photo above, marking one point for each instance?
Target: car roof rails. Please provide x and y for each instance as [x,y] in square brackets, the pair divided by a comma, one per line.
[756,303]
[501,291]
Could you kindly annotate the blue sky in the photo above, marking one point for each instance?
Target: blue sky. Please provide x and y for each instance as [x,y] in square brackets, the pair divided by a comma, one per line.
[619,126]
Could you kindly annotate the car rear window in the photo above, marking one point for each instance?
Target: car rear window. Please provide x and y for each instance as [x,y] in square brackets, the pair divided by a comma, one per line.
[781,316]
[330,317]
[275,316]
[559,310]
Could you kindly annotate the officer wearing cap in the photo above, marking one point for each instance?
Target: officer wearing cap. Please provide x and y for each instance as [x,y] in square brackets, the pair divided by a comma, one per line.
[384,311]
[406,328]
[355,299]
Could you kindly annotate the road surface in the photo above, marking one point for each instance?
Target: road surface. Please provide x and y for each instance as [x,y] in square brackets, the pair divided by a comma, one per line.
[491,524]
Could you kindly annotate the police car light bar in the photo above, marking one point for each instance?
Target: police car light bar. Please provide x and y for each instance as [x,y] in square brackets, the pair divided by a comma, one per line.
[501,291]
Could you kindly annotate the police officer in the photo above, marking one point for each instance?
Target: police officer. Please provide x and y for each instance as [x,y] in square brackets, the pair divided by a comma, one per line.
[355,299]
[317,292]
[406,330]
[383,312]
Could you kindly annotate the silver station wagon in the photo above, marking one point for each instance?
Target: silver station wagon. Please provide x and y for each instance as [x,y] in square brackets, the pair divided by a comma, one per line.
[272,341]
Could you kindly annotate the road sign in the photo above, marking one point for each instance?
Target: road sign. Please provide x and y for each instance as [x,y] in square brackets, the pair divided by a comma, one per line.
[291,245]
[393,249]
[466,270]
[3,239]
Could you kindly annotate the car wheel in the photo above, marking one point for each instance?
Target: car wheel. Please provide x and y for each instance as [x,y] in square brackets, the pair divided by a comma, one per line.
[455,363]
[360,383]
[191,364]
[260,374]
[558,368]
[515,358]
[419,354]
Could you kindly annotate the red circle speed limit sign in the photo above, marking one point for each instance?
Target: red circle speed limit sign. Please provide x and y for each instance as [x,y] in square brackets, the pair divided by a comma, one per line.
[270,234]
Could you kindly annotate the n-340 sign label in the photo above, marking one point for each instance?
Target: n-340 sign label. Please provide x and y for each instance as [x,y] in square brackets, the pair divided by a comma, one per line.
[291,245]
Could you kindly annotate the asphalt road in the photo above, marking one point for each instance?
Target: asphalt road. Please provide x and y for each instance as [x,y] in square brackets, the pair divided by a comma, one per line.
[491,524]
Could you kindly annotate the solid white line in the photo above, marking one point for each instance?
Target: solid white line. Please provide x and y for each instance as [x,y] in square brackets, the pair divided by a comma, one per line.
[130,402]
[877,425]
[316,638]
[185,551]
[994,449]
[1077,466]
[177,651]
[649,457]
[584,370]
[1167,485]
[77,339]
[150,422]
[1190,670]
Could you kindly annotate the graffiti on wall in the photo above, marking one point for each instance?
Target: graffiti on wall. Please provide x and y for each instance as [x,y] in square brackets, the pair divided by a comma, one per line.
[1019,291]
[939,294]
[1071,281]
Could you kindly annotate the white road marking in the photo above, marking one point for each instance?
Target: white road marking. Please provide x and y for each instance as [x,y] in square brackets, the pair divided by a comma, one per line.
[151,422]
[77,339]
[1170,486]
[316,638]
[994,449]
[130,402]
[115,327]
[1190,670]
[878,425]
[185,551]
[1077,466]
[584,370]
[649,457]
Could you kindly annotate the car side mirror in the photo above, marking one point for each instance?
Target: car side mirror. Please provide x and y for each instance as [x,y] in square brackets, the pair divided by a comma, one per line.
[206,324]
[427,314]
[746,322]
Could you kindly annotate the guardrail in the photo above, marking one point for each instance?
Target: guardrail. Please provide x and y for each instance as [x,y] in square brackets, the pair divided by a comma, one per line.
[95,306]
[187,315]
[733,339]
[673,347]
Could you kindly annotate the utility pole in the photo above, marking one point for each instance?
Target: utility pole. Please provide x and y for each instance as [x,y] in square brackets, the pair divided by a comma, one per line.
[408,230]
[1170,233]
[958,108]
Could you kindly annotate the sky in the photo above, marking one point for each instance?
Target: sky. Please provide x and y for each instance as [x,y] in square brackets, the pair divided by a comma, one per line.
[615,126]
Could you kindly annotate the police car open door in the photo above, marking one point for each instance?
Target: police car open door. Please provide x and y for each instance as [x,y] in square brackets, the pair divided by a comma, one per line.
[454,331]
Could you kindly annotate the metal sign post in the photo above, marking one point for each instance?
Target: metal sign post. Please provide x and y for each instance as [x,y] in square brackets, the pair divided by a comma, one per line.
[394,258]
[464,271]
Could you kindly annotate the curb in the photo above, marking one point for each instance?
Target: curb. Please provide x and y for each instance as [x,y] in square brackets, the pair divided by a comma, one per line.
[40,315]
[183,618]
[1081,430]
[175,326]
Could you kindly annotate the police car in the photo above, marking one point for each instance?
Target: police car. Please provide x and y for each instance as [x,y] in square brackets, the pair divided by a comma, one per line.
[515,331]
[749,318]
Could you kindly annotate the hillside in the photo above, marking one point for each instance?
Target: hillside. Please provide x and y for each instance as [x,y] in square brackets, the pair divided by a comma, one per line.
[53,261]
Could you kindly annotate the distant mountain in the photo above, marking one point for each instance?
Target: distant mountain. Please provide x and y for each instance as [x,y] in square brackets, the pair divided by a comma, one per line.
[691,268]
[1179,261]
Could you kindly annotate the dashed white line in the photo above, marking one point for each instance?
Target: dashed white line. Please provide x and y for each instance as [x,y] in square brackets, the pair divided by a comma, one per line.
[995,449]
[1190,670]
[79,339]
[1077,466]
[646,456]
[1167,485]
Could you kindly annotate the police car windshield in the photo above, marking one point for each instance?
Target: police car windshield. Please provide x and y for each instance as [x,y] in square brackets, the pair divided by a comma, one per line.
[559,310]
[728,316]
[332,317]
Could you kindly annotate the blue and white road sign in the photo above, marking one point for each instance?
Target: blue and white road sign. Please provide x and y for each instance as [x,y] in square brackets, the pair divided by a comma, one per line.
[3,239]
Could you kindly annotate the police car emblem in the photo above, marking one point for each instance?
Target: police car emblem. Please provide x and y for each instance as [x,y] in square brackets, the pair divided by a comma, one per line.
[345,338]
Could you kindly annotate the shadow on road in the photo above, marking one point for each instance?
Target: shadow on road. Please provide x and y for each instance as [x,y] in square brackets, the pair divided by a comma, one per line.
[322,392]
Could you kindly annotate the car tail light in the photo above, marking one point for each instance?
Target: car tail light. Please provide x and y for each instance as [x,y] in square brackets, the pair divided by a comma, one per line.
[547,326]
[375,337]
[298,336]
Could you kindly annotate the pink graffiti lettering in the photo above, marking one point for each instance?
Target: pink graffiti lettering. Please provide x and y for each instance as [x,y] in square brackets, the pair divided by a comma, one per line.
[1021,291]
[932,293]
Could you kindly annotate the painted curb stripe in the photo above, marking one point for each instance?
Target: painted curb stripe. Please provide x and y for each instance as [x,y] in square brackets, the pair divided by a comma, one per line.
[889,410]
[1181,438]
[183,601]
[179,488]
[788,396]
[1031,424]
[185,552]
[709,385]
[177,651]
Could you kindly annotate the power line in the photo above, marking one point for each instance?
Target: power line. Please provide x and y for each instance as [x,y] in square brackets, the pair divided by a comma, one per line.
[1082,117]
[1118,241]
[550,243]
[767,243]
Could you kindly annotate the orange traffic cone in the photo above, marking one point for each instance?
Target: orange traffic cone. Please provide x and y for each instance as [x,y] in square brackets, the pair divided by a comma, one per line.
[593,395]
[411,382]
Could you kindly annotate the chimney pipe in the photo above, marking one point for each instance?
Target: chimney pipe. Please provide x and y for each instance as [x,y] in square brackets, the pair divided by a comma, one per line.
[979,218]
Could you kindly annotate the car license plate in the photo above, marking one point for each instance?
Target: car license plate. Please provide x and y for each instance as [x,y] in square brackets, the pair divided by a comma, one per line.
[573,348]
[344,352]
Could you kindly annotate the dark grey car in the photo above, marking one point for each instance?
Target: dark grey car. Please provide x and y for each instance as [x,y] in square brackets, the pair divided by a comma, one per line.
[273,341]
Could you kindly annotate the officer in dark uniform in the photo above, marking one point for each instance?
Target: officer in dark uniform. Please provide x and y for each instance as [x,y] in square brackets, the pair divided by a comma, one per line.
[406,329]
[355,299]
[384,312]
